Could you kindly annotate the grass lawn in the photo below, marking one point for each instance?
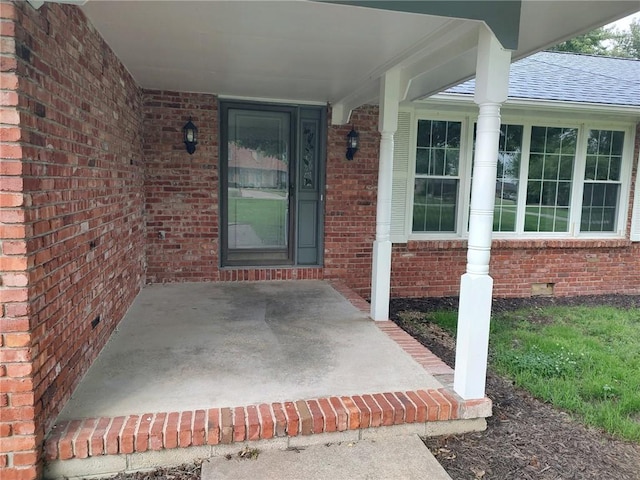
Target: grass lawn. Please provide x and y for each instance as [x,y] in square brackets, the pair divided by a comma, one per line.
[584,360]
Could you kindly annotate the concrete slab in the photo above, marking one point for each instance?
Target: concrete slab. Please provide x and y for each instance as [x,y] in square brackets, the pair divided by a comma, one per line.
[403,457]
[203,345]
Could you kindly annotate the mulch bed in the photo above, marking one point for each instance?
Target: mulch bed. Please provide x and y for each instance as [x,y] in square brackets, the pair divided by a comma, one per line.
[525,438]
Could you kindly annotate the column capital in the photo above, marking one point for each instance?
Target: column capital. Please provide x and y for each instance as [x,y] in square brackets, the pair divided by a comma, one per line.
[492,69]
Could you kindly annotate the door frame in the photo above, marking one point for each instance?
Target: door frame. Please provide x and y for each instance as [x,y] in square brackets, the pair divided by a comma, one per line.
[295,141]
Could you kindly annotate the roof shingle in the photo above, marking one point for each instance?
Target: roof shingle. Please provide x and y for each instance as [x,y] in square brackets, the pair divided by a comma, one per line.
[571,77]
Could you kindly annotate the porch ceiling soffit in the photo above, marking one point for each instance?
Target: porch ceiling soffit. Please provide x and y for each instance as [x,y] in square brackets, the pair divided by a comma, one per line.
[320,52]
[299,51]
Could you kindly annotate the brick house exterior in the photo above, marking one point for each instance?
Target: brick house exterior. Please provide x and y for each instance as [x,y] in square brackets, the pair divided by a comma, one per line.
[93,169]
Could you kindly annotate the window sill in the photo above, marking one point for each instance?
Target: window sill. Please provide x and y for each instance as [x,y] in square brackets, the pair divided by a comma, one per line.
[518,243]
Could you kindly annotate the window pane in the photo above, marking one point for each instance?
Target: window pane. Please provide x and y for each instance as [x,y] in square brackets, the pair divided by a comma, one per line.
[451,162]
[422,160]
[434,208]
[602,181]
[551,160]
[437,156]
[599,205]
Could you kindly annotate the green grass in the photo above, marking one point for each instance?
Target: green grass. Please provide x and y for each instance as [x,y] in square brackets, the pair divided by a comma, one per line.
[584,360]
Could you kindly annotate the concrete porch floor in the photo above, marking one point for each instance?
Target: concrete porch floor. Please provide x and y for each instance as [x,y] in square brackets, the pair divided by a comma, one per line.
[202,365]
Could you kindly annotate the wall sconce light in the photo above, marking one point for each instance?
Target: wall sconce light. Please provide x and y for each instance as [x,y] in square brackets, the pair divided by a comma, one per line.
[190,135]
[352,144]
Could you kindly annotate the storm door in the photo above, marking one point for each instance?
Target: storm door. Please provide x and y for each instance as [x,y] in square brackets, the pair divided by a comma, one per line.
[271,159]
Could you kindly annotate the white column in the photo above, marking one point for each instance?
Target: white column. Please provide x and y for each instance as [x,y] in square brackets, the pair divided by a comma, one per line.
[381,265]
[476,286]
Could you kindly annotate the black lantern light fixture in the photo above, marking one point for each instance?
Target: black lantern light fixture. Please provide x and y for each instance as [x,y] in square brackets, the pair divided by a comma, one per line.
[352,143]
[190,135]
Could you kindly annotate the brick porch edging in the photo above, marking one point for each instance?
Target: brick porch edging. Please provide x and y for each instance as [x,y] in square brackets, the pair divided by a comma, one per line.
[219,426]
[156,431]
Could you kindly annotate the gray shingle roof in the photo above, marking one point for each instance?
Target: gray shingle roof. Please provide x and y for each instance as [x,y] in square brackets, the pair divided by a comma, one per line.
[572,78]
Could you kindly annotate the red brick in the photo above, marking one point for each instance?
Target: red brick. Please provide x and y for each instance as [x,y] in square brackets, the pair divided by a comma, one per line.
[453,402]
[398,408]
[374,409]
[184,436]
[17,340]
[97,439]
[156,440]
[293,420]
[5,429]
[409,407]
[365,412]
[330,420]
[127,437]
[141,443]
[266,421]
[445,406]
[170,434]
[433,408]
[65,445]
[251,423]
[305,419]
[387,409]
[199,428]
[239,424]
[280,419]
[10,199]
[226,426]
[316,416]
[52,442]
[112,438]
[81,442]
[25,459]
[27,473]
[213,426]
[342,418]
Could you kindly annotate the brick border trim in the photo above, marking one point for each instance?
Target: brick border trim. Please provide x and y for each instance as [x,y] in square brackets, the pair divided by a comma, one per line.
[157,431]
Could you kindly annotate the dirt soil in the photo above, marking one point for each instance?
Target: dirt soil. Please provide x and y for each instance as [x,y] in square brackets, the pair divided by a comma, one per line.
[525,438]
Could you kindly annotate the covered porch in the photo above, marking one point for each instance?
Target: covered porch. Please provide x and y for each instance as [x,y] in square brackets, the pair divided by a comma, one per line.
[210,365]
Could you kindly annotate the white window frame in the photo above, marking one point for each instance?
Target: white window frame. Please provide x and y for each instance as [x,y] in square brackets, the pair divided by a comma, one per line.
[469,118]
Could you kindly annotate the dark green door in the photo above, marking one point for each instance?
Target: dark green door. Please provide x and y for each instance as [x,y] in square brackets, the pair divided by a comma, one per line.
[272,181]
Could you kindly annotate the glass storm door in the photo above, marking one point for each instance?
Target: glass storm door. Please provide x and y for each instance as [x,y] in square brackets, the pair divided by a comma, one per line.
[270,171]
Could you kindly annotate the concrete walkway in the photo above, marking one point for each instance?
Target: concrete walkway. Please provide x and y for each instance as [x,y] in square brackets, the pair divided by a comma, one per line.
[203,345]
[404,457]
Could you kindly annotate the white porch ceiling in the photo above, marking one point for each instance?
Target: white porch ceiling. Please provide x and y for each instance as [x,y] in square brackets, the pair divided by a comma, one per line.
[307,51]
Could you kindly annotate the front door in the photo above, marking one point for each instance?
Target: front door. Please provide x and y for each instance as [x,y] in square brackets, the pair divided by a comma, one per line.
[271,184]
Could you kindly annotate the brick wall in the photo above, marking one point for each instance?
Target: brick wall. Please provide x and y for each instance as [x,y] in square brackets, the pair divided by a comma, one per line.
[350,208]
[73,238]
[182,202]
[181,190]
[18,445]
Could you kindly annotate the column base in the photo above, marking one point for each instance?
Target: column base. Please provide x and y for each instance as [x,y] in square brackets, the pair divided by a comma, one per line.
[472,343]
[381,280]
